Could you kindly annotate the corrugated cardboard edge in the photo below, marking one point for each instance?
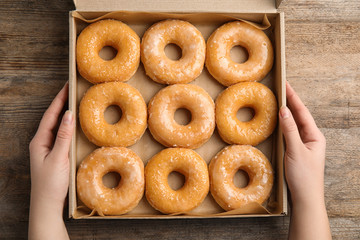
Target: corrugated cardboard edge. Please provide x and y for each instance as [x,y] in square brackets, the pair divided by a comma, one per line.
[72,107]
[150,217]
[280,88]
[283,103]
[244,6]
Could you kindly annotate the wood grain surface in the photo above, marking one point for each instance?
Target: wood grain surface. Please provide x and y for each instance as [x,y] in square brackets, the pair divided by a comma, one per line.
[323,65]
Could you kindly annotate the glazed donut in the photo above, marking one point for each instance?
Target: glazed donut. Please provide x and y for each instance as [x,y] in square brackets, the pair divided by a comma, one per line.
[107,33]
[247,94]
[223,168]
[162,69]
[196,186]
[257,44]
[167,131]
[128,129]
[111,201]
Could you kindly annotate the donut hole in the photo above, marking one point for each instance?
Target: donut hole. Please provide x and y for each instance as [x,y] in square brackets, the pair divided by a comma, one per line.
[176,180]
[241,179]
[173,51]
[182,116]
[112,114]
[108,53]
[239,54]
[111,179]
[245,114]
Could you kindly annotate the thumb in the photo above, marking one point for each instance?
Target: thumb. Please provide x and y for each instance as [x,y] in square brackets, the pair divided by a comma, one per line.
[289,129]
[64,135]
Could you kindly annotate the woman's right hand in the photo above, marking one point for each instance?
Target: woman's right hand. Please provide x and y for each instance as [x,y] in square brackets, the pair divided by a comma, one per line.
[304,170]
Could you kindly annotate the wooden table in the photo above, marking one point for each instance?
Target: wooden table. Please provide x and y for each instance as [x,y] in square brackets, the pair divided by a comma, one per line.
[323,65]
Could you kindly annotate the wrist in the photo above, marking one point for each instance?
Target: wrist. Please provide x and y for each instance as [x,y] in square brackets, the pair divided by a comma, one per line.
[310,194]
[46,219]
[308,201]
[40,203]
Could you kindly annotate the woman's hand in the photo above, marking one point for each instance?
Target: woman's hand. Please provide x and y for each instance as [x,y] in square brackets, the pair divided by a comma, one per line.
[304,170]
[305,150]
[49,164]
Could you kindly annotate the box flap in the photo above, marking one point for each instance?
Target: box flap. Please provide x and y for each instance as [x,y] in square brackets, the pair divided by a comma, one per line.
[266,6]
[277,3]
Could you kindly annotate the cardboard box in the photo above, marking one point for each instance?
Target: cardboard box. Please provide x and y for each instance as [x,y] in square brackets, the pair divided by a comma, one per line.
[206,16]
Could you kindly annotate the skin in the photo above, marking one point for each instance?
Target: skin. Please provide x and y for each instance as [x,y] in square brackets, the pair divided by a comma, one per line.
[49,165]
[304,170]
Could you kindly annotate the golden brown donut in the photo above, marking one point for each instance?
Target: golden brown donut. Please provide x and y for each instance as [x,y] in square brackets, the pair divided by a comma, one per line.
[132,123]
[257,44]
[196,186]
[111,201]
[247,94]
[223,168]
[167,131]
[162,69]
[107,33]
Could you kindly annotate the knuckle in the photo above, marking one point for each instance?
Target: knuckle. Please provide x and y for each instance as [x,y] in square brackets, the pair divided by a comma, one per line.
[290,126]
[48,114]
[64,133]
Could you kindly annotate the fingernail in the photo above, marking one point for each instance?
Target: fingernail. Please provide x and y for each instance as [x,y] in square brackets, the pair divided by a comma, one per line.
[284,112]
[68,117]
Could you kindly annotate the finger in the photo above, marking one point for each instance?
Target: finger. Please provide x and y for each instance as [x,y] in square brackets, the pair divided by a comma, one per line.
[63,137]
[44,135]
[303,118]
[289,129]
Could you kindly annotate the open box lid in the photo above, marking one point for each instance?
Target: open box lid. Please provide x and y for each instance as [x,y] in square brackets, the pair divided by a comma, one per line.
[226,6]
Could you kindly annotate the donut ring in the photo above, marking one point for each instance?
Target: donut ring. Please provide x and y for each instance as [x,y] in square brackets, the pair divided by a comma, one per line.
[132,123]
[257,44]
[162,69]
[167,131]
[247,94]
[196,186]
[111,201]
[223,168]
[107,33]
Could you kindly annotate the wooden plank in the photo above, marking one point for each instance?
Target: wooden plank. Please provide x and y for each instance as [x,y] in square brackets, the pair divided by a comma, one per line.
[321,10]
[342,182]
[323,67]
[269,228]
[323,59]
